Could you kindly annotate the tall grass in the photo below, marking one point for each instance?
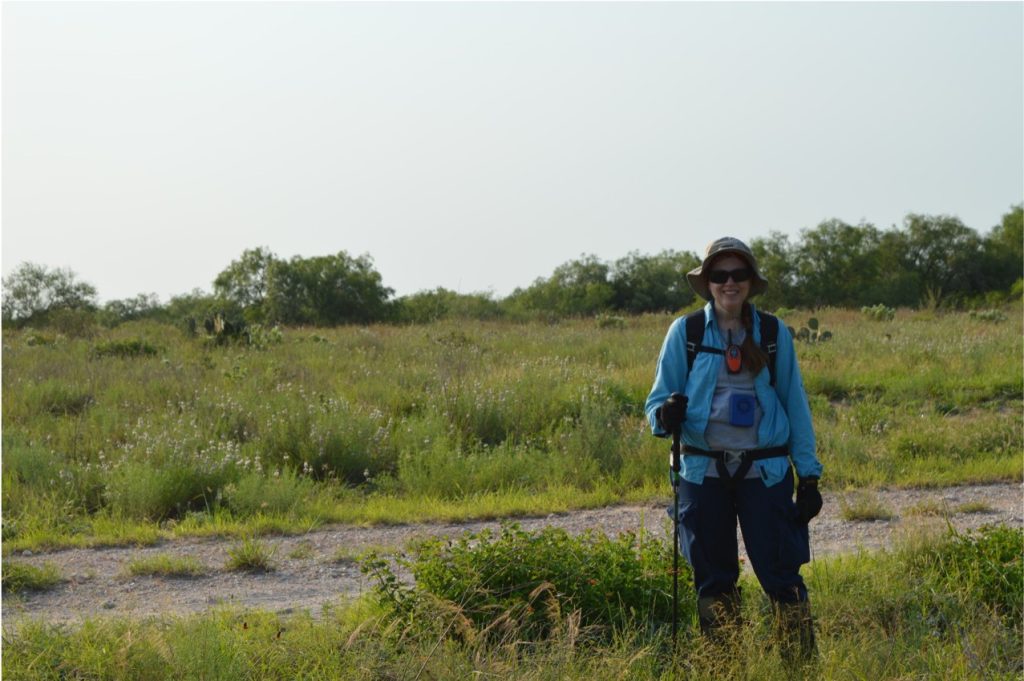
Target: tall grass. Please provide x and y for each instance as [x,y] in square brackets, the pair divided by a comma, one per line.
[388,423]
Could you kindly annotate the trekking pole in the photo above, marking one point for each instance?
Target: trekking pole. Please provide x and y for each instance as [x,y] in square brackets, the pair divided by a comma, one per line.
[675,536]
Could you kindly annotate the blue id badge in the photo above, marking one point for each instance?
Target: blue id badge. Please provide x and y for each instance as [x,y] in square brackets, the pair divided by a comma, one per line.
[741,410]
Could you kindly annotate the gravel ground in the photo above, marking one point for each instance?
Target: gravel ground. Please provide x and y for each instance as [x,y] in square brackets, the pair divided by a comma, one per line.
[96,584]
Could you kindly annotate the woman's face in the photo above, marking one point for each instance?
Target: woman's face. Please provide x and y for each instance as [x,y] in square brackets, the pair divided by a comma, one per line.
[731,294]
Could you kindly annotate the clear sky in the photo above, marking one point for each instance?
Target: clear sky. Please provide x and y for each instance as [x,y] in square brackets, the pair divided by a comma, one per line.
[477,146]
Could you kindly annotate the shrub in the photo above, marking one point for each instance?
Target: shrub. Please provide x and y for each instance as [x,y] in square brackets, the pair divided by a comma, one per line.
[330,438]
[157,491]
[988,564]
[256,493]
[34,338]
[124,349]
[878,313]
[72,323]
[992,315]
[262,337]
[58,398]
[607,321]
[595,436]
[1017,290]
[525,582]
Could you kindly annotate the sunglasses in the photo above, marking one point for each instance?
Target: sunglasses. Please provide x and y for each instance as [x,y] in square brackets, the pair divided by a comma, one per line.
[722,276]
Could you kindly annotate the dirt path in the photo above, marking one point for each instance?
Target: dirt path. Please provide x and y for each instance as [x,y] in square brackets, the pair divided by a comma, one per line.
[309,574]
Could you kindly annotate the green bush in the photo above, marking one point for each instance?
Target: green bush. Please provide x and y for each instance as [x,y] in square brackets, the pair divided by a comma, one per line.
[57,398]
[34,338]
[72,323]
[988,564]
[279,493]
[135,347]
[878,313]
[607,321]
[148,491]
[527,582]
[445,471]
[330,438]
[991,315]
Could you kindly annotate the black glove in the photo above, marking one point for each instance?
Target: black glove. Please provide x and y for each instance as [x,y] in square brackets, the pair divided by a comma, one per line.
[672,413]
[808,499]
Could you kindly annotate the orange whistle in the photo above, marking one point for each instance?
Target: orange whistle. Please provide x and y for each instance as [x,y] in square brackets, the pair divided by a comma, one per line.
[733,359]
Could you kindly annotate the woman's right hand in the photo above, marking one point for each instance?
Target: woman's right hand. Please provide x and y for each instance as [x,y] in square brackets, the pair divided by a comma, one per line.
[672,413]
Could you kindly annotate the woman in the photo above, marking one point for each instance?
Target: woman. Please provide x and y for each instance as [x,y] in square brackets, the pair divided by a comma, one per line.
[742,414]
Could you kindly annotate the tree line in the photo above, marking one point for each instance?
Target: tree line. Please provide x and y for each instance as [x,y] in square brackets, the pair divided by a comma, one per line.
[932,260]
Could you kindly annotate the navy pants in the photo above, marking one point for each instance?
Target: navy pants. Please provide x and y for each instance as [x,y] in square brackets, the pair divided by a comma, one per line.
[777,542]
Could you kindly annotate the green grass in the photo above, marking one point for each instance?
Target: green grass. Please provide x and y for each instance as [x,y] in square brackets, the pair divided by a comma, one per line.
[22,577]
[864,506]
[450,421]
[944,510]
[304,551]
[930,507]
[165,565]
[974,507]
[941,607]
[348,554]
[250,555]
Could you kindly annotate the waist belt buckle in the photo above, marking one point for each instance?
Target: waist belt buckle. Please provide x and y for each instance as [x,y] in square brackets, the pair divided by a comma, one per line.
[734,456]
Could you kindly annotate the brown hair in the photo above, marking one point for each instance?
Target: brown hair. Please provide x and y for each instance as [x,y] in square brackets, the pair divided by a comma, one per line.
[754,358]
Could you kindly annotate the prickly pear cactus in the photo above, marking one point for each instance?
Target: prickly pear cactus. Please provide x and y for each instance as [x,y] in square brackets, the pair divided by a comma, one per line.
[812,333]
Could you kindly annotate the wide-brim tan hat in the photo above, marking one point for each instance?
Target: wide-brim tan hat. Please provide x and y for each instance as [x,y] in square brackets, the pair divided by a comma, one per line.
[727,244]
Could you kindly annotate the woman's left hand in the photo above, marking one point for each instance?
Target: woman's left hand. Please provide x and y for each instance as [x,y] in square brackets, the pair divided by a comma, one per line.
[808,499]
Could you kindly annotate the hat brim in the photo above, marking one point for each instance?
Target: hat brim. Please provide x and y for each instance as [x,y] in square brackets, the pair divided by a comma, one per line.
[699,284]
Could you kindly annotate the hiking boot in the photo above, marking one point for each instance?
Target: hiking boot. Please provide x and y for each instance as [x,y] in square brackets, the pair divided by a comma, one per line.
[795,631]
[719,614]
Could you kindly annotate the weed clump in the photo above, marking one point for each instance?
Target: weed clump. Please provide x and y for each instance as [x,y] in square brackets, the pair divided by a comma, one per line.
[251,555]
[988,565]
[124,349]
[527,584]
[22,577]
[864,507]
[166,565]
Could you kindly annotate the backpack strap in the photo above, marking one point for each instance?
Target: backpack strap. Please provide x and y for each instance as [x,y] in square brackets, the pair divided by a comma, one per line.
[695,322]
[770,340]
[694,335]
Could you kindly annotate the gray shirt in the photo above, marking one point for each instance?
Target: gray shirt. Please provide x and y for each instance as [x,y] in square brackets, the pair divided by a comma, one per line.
[720,433]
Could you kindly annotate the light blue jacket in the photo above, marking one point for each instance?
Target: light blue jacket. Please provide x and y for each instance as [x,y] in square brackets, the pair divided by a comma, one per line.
[786,417]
